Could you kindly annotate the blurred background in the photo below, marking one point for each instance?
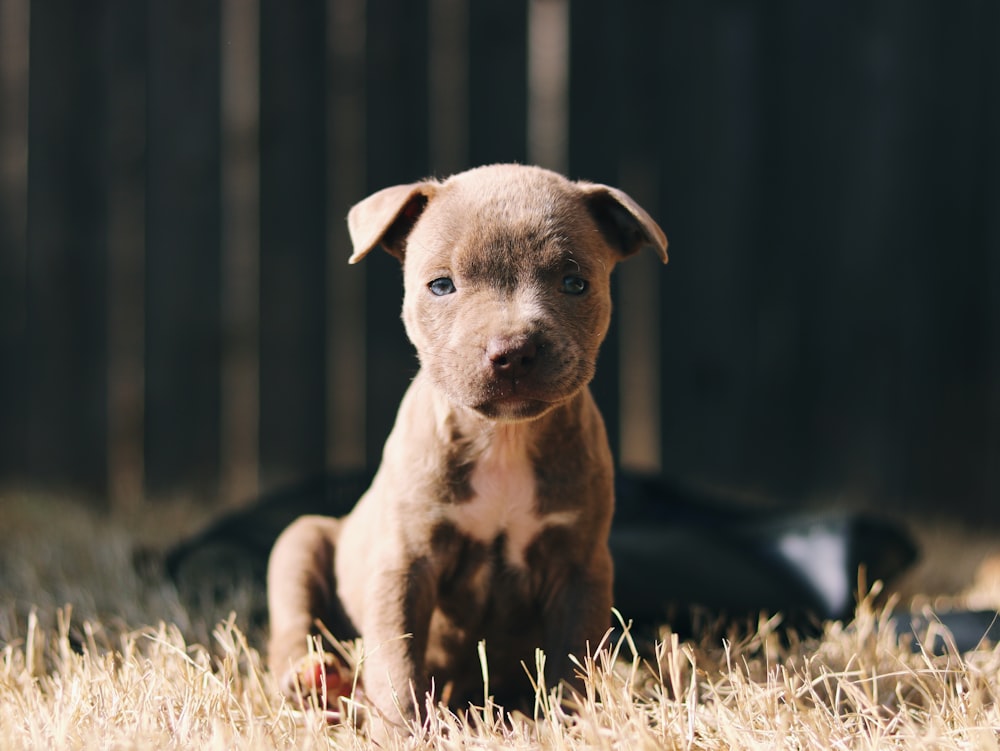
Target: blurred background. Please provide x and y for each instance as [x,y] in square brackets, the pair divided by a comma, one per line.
[177,317]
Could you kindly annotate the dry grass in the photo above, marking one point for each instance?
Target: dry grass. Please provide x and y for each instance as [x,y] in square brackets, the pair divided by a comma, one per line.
[96,657]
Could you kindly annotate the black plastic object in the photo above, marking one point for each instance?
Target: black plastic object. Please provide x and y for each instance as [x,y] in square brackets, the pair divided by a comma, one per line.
[674,548]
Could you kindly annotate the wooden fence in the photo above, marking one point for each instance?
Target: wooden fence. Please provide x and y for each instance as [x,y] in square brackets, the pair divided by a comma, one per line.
[177,315]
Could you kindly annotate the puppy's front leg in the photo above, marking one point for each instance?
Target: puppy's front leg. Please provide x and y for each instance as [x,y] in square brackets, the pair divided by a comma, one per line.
[578,615]
[301,590]
[395,628]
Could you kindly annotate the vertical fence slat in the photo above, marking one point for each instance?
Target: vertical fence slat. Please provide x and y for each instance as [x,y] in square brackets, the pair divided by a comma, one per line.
[13,240]
[805,437]
[708,207]
[947,223]
[986,505]
[183,251]
[599,76]
[240,158]
[345,169]
[66,335]
[293,240]
[126,53]
[865,361]
[498,81]
[548,76]
[448,85]
[397,148]
[636,76]
[597,69]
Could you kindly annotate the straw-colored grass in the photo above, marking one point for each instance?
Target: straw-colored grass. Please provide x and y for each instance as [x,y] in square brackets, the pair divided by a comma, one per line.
[97,656]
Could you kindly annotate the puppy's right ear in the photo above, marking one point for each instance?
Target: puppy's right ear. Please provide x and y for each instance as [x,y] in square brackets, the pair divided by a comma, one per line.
[386,218]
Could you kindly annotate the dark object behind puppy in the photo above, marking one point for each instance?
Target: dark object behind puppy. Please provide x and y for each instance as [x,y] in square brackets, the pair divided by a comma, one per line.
[734,561]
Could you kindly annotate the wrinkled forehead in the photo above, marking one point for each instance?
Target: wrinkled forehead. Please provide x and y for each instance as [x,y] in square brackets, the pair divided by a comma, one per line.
[496,231]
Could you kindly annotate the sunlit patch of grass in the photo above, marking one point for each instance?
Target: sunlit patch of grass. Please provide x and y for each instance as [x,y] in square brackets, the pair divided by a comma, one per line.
[97,656]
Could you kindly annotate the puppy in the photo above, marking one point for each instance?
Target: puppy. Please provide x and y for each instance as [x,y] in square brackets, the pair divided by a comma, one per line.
[488,518]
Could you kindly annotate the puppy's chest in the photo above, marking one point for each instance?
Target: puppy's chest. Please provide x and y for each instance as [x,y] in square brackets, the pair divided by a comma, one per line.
[502,512]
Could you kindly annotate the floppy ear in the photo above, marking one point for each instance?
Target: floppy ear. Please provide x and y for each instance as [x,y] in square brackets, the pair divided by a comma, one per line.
[624,222]
[386,218]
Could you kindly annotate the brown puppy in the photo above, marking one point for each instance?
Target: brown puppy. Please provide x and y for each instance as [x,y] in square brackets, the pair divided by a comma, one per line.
[489,515]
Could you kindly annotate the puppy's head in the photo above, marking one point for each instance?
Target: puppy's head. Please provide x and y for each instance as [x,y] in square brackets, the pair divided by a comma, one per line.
[507,279]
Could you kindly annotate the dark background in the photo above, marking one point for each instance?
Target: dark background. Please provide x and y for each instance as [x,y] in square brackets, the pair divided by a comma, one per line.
[177,316]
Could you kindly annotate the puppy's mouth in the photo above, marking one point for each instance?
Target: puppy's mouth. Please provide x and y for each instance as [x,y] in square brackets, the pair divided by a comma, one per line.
[514,400]
[513,409]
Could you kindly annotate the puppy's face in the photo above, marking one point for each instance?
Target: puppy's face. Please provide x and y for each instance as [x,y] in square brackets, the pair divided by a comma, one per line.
[507,280]
[507,294]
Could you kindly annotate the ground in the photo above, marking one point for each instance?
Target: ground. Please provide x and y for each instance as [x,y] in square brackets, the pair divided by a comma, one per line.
[101,653]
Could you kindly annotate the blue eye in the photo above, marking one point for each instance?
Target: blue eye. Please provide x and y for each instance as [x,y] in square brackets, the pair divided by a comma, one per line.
[441,287]
[574,285]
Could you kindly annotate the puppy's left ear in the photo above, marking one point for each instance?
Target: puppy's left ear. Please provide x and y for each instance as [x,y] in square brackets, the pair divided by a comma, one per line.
[386,218]
[624,222]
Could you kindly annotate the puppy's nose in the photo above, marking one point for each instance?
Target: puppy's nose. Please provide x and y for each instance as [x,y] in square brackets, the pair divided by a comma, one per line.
[512,358]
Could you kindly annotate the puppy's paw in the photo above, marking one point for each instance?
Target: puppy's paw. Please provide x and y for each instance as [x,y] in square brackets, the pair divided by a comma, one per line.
[319,682]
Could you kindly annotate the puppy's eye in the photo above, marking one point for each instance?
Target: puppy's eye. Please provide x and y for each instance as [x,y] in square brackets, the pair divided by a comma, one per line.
[574,285]
[441,287]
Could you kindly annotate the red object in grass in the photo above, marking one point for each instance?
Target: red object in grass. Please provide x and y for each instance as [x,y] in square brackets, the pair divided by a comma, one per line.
[327,678]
